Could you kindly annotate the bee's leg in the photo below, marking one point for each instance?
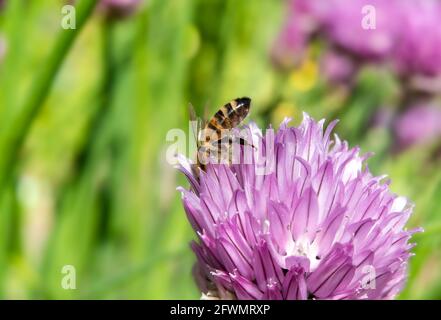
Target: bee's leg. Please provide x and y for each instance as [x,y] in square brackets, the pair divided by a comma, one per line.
[231,139]
[221,148]
[226,147]
[227,142]
[225,153]
[215,152]
[196,169]
[242,142]
[203,156]
[230,154]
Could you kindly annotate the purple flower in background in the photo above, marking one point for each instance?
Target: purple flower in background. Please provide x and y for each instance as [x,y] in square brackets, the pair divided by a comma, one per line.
[340,22]
[291,43]
[419,48]
[343,26]
[317,225]
[406,33]
[419,124]
[336,67]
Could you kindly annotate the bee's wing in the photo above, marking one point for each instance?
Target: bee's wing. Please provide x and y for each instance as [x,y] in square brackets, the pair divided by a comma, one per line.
[196,123]
[205,114]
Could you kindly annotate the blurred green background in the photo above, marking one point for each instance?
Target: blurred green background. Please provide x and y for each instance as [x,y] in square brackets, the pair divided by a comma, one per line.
[83,118]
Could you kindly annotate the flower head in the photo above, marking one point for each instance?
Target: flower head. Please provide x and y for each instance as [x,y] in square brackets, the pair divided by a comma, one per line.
[317,224]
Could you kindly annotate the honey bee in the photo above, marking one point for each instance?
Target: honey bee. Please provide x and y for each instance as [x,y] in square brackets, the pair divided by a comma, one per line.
[210,135]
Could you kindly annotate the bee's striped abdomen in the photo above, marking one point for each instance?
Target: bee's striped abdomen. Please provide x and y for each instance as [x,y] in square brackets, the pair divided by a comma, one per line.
[227,117]
[232,113]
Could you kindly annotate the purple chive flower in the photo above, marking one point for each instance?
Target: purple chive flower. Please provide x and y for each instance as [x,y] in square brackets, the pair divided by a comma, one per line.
[406,33]
[419,124]
[317,225]
[343,26]
[339,21]
[419,49]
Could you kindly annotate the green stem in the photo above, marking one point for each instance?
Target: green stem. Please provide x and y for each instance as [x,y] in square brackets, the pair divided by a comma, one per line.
[15,133]
[100,116]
